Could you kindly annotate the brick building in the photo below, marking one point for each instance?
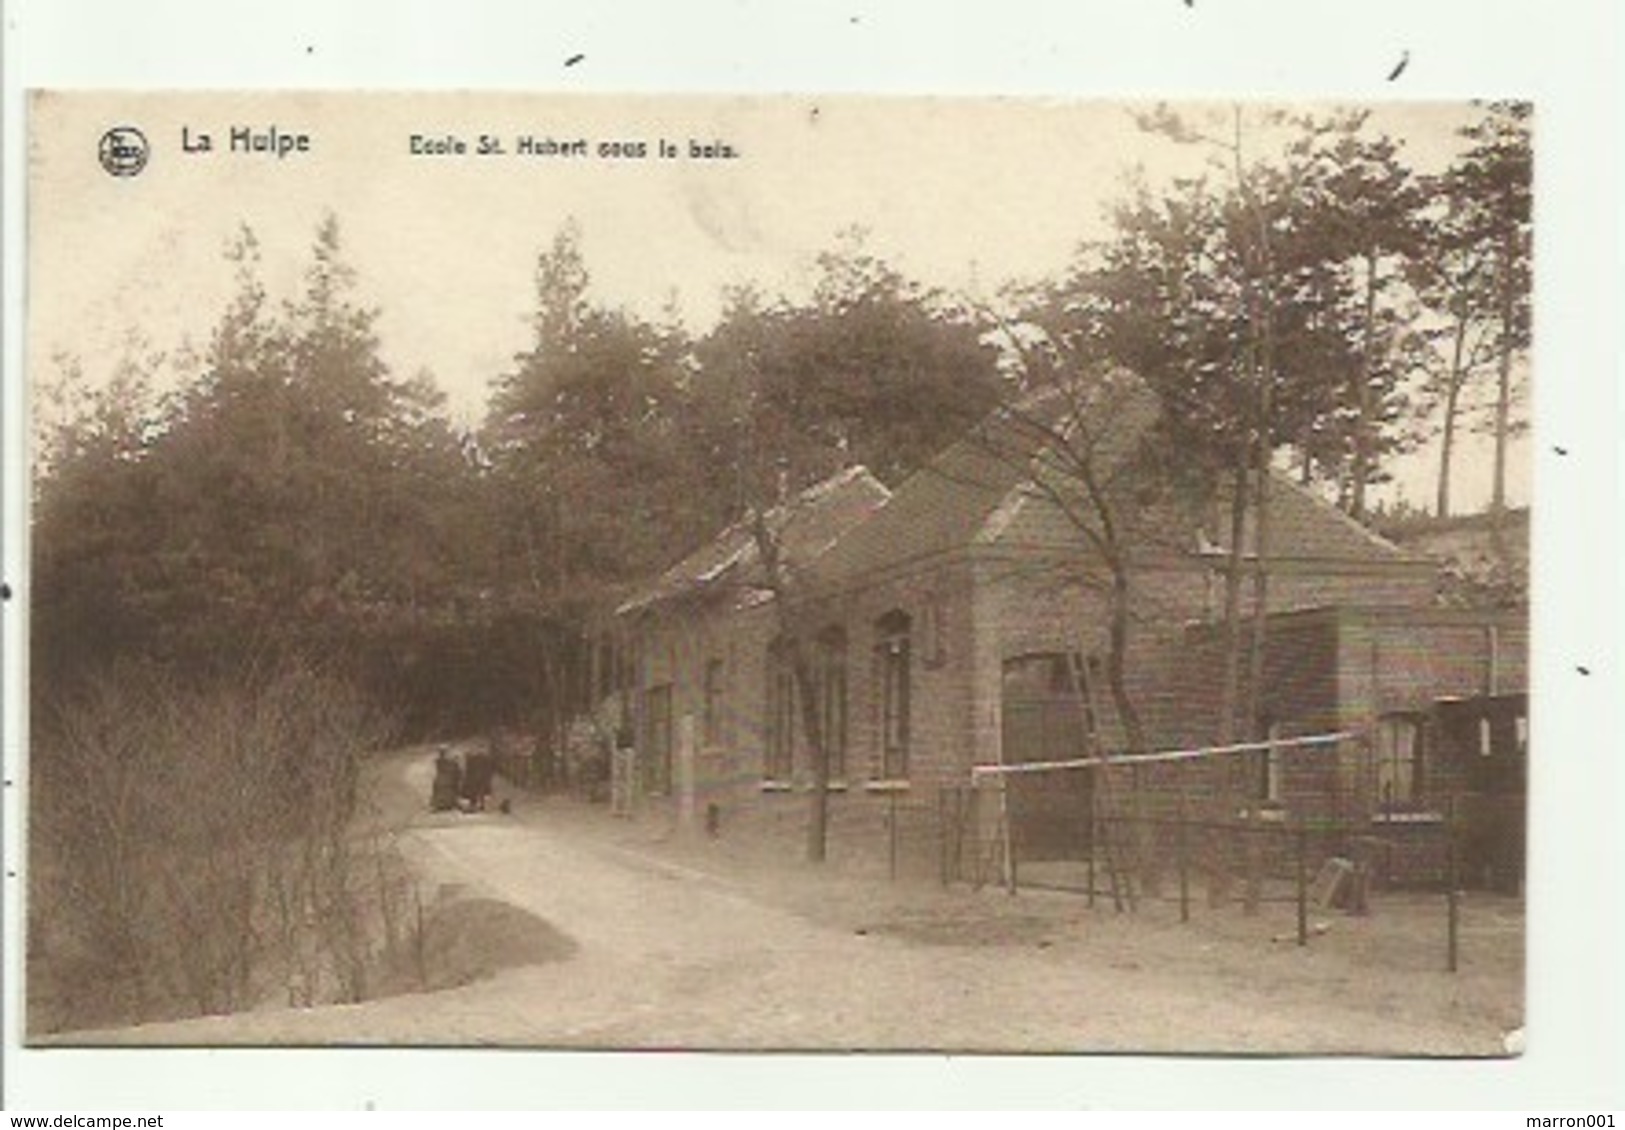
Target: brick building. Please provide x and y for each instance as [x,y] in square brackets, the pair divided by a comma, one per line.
[1437,698]
[942,618]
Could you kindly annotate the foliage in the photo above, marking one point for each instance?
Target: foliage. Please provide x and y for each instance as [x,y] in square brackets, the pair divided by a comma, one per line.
[291,496]
[589,466]
[194,840]
[1268,281]
[875,369]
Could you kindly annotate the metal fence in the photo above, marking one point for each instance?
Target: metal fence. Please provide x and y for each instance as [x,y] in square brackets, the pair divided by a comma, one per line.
[1294,822]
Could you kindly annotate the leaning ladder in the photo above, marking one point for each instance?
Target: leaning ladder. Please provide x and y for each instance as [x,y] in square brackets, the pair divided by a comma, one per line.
[1102,834]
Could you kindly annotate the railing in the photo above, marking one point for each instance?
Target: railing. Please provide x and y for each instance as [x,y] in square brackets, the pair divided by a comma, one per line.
[1110,831]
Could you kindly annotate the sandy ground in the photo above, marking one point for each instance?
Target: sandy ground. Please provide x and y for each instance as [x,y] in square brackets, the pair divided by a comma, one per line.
[680,942]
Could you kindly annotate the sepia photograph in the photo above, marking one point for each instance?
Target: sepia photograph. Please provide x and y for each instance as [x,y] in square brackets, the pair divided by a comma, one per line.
[779,573]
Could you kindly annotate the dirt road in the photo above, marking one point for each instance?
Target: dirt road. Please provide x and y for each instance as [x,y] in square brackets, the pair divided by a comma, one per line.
[676,948]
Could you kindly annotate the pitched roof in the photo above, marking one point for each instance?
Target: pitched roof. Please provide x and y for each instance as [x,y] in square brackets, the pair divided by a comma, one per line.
[936,509]
[981,491]
[807,526]
[976,488]
[1304,526]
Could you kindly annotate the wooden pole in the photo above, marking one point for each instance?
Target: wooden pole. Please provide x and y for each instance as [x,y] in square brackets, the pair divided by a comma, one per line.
[973,829]
[1184,865]
[1453,910]
[1252,860]
[1094,841]
[942,829]
[1303,884]
[891,823]
[1006,838]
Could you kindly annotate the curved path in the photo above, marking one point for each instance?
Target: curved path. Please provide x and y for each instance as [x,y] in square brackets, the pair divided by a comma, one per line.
[676,950]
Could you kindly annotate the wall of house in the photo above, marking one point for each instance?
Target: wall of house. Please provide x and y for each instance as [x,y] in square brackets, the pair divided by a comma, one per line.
[1308,584]
[1331,670]
[1337,669]
[1181,695]
[1175,666]
[969,614]
[1176,650]
[880,816]
[1395,664]
[674,650]
[868,813]
[1402,665]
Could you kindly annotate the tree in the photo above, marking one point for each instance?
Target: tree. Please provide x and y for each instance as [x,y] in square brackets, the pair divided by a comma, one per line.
[93,540]
[1082,437]
[1450,277]
[293,466]
[1492,182]
[1363,221]
[1231,294]
[172,898]
[590,474]
[282,498]
[874,370]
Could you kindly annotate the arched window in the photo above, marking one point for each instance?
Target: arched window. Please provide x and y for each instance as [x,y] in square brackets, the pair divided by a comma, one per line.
[779,754]
[892,658]
[715,692]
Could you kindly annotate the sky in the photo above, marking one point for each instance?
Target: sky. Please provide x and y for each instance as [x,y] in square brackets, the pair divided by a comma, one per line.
[963,194]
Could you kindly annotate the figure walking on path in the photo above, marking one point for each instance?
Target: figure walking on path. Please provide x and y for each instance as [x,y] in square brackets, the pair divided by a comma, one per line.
[448,782]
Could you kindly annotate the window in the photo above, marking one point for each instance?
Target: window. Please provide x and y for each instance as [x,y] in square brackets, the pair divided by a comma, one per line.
[715,673]
[785,726]
[1399,760]
[779,761]
[657,738]
[892,671]
[832,698]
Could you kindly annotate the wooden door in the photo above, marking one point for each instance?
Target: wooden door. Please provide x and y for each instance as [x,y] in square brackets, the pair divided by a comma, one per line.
[1042,720]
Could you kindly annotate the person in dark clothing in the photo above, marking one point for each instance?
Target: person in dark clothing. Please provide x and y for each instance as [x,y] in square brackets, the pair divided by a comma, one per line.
[478,773]
[448,782]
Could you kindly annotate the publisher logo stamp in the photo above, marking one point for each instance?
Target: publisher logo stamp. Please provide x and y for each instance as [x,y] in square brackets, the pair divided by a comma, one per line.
[123,151]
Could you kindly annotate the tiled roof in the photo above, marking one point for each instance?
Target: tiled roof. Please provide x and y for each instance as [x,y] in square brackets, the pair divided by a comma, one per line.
[980,492]
[982,485]
[938,508]
[807,526]
[1304,526]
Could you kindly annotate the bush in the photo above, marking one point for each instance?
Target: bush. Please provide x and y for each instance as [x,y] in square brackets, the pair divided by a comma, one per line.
[192,846]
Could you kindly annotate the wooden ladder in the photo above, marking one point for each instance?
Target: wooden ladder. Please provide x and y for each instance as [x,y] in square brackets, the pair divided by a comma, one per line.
[1102,834]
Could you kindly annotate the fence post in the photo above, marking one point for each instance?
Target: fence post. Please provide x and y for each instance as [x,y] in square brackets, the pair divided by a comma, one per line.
[979,850]
[891,834]
[1094,839]
[1220,848]
[1182,850]
[942,832]
[1007,835]
[1303,884]
[1252,860]
[1452,909]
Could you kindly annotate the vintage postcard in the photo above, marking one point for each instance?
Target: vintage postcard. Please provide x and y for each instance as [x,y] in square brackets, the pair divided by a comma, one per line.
[779,573]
